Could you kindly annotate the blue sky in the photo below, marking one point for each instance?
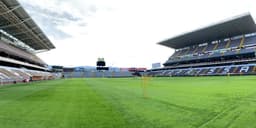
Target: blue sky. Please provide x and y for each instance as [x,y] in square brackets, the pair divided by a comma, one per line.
[124,32]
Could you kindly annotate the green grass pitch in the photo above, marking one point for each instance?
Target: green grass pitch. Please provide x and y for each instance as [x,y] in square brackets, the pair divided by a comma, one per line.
[199,102]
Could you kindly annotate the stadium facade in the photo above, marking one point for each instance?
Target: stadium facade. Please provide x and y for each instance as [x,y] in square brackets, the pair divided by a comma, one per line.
[92,72]
[20,40]
[225,48]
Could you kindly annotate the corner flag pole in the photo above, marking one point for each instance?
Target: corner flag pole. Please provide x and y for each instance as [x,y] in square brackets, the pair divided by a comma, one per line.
[144,85]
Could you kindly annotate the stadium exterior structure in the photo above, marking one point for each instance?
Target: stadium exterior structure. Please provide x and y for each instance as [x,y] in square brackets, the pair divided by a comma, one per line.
[20,40]
[225,48]
[92,72]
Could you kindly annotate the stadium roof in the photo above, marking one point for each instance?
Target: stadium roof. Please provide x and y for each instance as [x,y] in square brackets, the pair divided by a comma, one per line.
[243,24]
[16,21]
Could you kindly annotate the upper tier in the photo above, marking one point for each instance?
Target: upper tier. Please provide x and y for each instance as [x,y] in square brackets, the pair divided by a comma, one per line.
[240,45]
[239,25]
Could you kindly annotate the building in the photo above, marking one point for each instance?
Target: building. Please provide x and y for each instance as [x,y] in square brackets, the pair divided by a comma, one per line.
[225,48]
[20,40]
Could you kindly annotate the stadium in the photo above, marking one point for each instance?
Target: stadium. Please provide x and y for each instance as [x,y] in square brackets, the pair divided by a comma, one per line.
[226,48]
[21,38]
[208,82]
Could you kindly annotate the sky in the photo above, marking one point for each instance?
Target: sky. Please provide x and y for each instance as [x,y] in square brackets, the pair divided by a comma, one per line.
[124,32]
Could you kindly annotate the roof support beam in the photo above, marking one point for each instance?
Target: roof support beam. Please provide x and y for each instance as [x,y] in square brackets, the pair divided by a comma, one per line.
[24,39]
[23,32]
[13,25]
[19,24]
[11,10]
[40,51]
[4,21]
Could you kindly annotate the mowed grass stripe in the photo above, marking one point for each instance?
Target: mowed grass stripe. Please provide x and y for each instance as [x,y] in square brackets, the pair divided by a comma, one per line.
[207,102]
[149,112]
[65,104]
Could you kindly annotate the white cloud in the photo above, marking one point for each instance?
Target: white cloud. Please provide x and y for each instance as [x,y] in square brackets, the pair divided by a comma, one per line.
[125,32]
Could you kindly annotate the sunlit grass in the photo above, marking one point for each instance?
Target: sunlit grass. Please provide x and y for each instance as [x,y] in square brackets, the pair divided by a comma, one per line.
[218,102]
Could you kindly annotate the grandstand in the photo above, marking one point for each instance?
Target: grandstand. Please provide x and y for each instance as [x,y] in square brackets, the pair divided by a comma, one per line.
[20,40]
[225,48]
[80,72]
